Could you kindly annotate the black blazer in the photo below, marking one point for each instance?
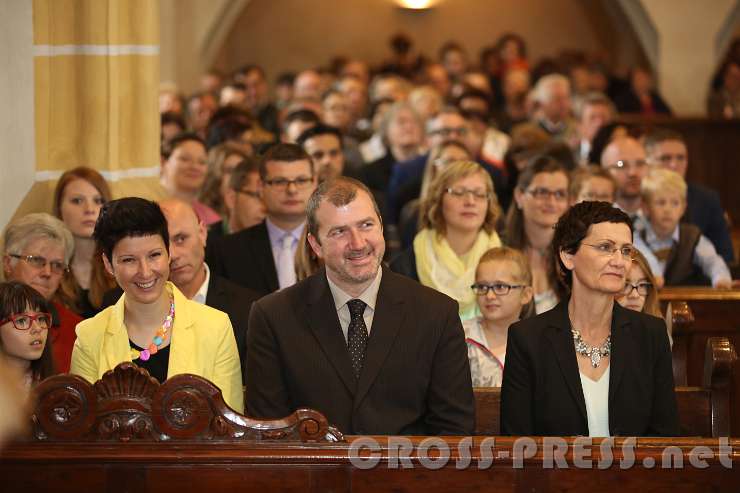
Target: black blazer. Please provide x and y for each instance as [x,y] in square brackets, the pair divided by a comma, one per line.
[415,379]
[405,264]
[704,210]
[541,393]
[245,258]
[236,302]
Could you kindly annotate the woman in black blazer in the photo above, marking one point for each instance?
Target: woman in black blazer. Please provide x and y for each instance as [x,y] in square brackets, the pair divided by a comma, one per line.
[589,366]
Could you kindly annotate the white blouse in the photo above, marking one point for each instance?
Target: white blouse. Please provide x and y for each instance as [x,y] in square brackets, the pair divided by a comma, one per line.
[486,368]
[596,395]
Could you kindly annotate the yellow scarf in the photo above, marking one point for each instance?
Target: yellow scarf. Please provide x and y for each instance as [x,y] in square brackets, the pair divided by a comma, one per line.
[439,267]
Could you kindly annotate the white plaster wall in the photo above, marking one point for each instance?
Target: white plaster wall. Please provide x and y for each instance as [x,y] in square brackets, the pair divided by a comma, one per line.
[687,49]
[17,150]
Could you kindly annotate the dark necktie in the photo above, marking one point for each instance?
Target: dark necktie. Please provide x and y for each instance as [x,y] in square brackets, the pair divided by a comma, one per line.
[356,335]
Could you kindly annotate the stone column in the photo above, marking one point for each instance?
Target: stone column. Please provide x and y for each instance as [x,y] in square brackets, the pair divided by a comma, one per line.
[89,100]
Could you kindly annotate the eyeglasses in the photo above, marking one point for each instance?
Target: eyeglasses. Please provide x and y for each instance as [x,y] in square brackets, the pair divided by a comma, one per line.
[608,250]
[40,262]
[249,193]
[447,132]
[667,158]
[623,165]
[541,193]
[23,321]
[460,193]
[301,182]
[643,288]
[600,197]
[499,288]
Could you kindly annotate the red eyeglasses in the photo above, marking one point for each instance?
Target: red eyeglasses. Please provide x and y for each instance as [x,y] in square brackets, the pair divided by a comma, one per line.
[23,321]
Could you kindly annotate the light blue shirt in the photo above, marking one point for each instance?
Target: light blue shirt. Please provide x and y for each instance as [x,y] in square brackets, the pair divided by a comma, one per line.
[705,256]
[276,237]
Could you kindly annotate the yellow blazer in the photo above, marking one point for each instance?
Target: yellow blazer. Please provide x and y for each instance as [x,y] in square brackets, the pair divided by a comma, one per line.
[202,344]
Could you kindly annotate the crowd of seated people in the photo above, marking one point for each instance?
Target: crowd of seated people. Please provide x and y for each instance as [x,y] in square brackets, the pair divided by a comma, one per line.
[353,195]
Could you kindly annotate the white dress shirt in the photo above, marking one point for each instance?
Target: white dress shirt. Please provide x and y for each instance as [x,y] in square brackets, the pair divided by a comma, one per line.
[369,296]
[202,293]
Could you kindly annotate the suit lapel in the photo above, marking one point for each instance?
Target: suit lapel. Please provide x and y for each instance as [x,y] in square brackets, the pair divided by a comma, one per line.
[262,251]
[324,323]
[116,348]
[620,337]
[386,324]
[216,296]
[561,340]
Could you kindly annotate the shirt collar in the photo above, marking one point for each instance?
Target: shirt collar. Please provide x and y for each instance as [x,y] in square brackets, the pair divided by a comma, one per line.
[276,234]
[202,293]
[369,296]
[474,331]
[652,238]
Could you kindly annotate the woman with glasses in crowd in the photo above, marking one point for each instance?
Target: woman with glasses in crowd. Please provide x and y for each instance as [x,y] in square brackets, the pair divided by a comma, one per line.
[153,324]
[78,197]
[540,198]
[412,195]
[458,225]
[503,286]
[590,367]
[37,251]
[641,292]
[24,326]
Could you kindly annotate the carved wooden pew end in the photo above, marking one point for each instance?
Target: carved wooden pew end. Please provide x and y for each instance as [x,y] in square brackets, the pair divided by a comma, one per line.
[127,404]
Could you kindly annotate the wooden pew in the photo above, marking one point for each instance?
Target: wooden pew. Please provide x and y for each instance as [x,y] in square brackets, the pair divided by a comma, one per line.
[129,433]
[704,411]
[700,313]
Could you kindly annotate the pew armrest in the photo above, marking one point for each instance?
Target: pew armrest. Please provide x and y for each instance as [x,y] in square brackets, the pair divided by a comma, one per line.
[719,373]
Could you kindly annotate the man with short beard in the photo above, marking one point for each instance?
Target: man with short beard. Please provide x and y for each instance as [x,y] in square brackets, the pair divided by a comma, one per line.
[375,352]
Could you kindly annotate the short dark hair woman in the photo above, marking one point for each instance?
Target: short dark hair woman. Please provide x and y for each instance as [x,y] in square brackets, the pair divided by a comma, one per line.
[153,324]
[590,366]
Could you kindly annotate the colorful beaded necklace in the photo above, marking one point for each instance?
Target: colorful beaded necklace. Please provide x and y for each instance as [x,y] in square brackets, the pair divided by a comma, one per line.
[158,339]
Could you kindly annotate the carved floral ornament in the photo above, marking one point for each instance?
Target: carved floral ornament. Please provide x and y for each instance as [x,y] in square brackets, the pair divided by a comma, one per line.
[127,404]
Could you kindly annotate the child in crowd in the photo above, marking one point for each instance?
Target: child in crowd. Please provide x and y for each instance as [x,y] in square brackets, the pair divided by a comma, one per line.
[503,285]
[24,326]
[677,253]
[591,183]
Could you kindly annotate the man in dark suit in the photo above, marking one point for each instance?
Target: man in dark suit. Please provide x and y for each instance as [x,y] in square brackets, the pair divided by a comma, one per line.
[668,149]
[375,352]
[192,276]
[262,257]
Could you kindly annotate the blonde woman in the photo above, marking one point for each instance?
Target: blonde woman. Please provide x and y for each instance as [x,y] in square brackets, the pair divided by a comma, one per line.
[441,156]
[641,292]
[458,221]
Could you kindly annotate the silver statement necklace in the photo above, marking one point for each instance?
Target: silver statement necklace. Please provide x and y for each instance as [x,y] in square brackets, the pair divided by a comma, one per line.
[593,352]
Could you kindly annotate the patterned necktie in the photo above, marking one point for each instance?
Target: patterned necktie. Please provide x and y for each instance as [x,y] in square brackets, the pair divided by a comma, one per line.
[286,263]
[356,335]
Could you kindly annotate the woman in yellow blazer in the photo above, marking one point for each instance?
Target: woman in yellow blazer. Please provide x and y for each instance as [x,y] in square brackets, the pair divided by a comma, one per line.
[153,324]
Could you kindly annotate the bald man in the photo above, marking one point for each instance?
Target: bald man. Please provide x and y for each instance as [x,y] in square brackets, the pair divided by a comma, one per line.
[191,275]
[626,161]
